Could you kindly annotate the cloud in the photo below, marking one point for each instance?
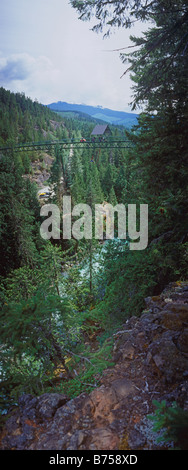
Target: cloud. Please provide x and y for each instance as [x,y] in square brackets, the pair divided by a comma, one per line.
[72,79]
[49,54]
[24,72]
[15,67]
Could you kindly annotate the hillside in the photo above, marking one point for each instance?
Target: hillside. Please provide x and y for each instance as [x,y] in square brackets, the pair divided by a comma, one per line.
[118,118]
[150,363]
[22,120]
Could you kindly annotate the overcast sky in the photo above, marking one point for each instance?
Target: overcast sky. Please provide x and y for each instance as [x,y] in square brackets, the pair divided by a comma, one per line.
[50,55]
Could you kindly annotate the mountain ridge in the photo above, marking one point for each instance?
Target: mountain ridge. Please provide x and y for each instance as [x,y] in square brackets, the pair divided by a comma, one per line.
[120,118]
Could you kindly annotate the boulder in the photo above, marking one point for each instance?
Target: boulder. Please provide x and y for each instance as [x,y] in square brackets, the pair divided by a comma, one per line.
[48,404]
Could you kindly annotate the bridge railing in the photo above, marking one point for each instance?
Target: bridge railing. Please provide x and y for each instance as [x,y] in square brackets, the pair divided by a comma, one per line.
[92,142]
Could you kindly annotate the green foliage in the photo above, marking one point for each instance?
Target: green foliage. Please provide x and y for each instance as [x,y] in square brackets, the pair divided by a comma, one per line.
[83,383]
[89,366]
[19,216]
[173,422]
[21,119]
[57,297]
[20,284]
[34,334]
[128,277]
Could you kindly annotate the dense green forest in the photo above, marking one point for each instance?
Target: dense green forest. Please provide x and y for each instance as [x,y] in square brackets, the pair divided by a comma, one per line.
[62,299]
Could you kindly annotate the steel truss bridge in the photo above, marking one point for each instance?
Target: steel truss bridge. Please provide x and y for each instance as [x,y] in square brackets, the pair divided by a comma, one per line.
[91,143]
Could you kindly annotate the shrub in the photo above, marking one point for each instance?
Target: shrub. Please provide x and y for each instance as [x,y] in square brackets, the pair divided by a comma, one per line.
[173,421]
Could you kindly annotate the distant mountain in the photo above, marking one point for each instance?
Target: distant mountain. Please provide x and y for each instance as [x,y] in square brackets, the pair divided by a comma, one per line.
[119,118]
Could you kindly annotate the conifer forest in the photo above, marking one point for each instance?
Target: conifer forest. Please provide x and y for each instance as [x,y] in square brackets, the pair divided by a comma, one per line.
[63,299]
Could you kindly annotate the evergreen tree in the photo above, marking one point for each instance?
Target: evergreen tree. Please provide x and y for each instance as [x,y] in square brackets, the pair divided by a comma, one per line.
[17,219]
[112,197]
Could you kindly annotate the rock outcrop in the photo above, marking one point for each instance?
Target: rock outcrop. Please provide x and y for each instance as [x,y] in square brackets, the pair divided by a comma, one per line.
[151,362]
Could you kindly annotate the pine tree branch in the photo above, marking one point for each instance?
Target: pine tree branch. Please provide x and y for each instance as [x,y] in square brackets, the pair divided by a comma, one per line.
[160,41]
[78,355]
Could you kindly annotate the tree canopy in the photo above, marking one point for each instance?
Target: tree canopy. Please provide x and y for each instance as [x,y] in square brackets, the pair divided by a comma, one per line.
[123,13]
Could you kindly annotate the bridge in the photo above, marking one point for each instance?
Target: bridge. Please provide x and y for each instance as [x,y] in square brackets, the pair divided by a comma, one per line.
[101,142]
